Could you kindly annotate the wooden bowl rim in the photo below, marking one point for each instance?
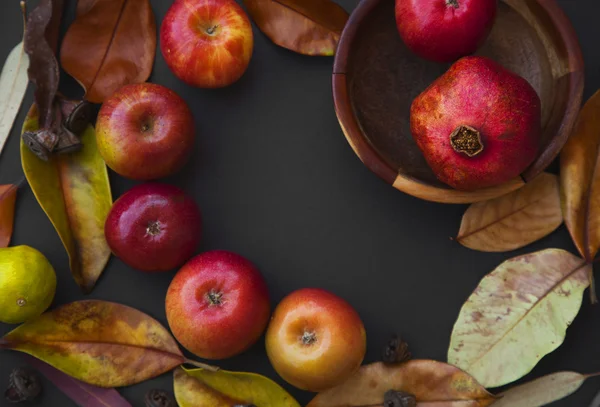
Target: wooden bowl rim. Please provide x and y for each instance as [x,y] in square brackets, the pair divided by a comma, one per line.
[373,160]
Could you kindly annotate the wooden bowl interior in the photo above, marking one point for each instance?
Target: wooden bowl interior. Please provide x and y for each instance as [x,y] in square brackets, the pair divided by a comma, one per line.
[384,76]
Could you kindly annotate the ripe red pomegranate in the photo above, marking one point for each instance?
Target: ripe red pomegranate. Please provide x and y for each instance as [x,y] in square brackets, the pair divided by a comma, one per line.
[478,125]
[445,30]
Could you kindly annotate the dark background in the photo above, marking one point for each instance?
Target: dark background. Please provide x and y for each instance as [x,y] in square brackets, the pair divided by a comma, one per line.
[278,183]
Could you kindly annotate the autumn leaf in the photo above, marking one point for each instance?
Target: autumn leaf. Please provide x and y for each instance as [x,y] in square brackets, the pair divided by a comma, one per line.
[513,220]
[309,27]
[74,191]
[111,43]
[98,342]
[8,196]
[43,67]
[542,391]
[434,384]
[580,180]
[203,388]
[518,314]
[82,394]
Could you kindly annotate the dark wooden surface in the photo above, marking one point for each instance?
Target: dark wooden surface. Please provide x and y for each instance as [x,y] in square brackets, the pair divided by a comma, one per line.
[278,183]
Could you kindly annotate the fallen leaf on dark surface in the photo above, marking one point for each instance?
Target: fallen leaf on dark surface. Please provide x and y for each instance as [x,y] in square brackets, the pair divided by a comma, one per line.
[518,314]
[13,84]
[98,342]
[43,67]
[82,394]
[309,27]
[513,220]
[203,388]
[580,180]
[8,196]
[434,384]
[542,391]
[74,192]
[110,44]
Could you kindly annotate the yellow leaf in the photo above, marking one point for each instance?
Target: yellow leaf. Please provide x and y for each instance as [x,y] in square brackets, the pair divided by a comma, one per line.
[202,388]
[513,220]
[74,191]
[434,384]
[518,314]
[580,180]
[98,342]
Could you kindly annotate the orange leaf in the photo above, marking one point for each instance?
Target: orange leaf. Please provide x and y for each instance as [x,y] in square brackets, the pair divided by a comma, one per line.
[309,27]
[434,384]
[111,43]
[580,180]
[8,196]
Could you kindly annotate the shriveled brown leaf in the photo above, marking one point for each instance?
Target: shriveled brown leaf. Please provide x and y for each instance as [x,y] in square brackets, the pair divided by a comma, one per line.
[513,220]
[580,180]
[542,391]
[518,313]
[98,342]
[434,384]
[309,27]
[8,196]
[111,43]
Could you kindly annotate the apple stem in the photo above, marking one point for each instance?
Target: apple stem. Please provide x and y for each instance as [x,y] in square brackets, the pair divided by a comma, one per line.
[453,3]
[201,365]
[211,30]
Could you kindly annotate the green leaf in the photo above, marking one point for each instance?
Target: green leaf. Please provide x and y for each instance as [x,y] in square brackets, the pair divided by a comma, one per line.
[202,388]
[518,314]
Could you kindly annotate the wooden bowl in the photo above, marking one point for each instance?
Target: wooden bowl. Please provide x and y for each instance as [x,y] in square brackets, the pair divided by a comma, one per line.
[376,78]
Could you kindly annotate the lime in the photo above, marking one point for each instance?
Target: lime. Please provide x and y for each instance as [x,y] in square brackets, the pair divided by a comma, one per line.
[27,284]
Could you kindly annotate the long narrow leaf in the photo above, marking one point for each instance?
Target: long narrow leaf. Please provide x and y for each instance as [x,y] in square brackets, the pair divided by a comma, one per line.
[13,84]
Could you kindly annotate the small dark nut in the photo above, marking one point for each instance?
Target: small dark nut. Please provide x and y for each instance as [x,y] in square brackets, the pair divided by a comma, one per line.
[41,142]
[394,398]
[395,351]
[159,398]
[23,385]
[67,142]
[77,114]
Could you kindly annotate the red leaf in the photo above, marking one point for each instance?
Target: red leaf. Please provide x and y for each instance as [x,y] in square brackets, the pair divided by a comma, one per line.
[8,195]
[83,394]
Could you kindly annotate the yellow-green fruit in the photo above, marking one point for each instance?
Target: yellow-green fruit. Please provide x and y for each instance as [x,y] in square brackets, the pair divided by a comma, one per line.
[27,284]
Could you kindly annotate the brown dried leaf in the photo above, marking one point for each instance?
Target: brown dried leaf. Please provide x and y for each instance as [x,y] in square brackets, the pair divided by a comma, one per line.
[542,391]
[111,43]
[309,27]
[580,180]
[8,196]
[518,313]
[434,384]
[43,67]
[98,342]
[513,220]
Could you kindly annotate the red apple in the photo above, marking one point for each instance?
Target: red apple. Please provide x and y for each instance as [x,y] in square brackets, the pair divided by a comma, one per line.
[315,340]
[445,30]
[478,125]
[218,305]
[207,43]
[145,131]
[153,227]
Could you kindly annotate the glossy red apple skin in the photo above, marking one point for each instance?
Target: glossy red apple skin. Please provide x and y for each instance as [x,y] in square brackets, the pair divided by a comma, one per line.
[154,227]
[336,336]
[502,106]
[145,131]
[207,43]
[445,30]
[218,305]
